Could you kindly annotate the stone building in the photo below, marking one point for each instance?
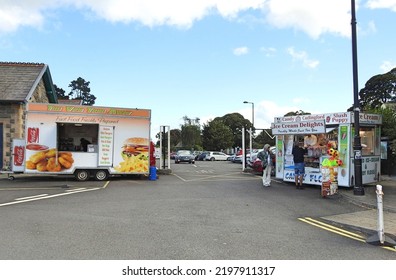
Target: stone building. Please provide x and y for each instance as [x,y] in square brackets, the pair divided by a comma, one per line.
[20,83]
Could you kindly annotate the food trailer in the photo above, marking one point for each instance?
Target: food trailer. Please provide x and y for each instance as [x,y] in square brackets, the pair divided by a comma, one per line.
[83,140]
[328,139]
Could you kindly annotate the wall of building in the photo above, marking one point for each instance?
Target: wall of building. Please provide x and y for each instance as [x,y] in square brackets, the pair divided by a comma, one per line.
[13,116]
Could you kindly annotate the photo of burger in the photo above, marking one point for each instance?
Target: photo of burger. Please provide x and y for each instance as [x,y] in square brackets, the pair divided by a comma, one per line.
[134,146]
[135,153]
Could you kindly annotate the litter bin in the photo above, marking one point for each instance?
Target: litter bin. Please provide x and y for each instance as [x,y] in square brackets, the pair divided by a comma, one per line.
[153,173]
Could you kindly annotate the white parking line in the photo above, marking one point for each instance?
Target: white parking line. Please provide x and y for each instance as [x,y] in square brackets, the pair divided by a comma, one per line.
[30,197]
[46,197]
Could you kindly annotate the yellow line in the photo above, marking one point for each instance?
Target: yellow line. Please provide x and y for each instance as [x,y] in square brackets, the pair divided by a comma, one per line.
[333,227]
[332,230]
[389,248]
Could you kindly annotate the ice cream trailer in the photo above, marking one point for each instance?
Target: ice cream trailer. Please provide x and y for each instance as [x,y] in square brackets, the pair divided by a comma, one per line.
[328,139]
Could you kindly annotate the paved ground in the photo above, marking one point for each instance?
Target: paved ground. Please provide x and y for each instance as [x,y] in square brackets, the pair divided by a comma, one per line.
[368,220]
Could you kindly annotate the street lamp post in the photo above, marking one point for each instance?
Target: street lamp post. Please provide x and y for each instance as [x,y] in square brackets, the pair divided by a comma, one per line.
[357,146]
[251,128]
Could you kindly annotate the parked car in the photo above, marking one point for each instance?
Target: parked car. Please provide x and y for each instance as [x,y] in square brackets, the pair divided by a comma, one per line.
[212,156]
[202,156]
[172,155]
[184,156]
[257,167]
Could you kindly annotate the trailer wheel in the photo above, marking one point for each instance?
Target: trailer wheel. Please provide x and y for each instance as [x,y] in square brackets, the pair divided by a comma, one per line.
[81,175]
[101,175]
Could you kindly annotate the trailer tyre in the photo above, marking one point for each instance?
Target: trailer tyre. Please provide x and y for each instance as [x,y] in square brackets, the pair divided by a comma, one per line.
[101,175]
[81,175]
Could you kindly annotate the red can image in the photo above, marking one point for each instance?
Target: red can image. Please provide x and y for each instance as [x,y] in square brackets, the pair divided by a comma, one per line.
[19,154]
[33,135]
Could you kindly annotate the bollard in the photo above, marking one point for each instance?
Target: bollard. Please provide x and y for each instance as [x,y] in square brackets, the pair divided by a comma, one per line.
[380,238]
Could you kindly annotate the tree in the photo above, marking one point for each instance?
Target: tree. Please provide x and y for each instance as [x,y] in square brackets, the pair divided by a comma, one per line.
[216,135]
[191,133]
[60,92]
[265,138]
[296,113]
[235,122]
[378,90]
[80,90]
[175,137]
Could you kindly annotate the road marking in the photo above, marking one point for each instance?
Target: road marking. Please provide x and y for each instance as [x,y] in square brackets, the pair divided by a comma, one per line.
[30,197]
[222,177]
[46,197]
[105,185]
[339,231]
[73,190]
[333,229]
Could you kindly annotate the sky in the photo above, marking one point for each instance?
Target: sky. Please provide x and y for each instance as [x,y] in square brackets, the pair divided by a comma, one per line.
[203,59]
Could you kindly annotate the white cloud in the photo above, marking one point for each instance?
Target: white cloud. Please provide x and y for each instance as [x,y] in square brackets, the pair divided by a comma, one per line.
[240,51]
[265,111]
[314,17]
[268,51]
[303,57]
[382,4]
[386,66]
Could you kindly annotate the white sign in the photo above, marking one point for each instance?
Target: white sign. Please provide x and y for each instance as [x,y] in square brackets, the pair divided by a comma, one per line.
[106,136]
[307,127]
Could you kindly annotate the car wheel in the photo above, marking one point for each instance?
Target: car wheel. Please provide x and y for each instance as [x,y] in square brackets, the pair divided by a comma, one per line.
[212,159]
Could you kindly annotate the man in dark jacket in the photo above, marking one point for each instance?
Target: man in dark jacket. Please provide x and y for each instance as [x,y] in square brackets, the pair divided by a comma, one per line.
[299,168]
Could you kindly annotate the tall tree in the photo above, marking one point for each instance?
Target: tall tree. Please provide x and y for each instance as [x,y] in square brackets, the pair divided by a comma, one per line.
[216,135]
[80,90]
[60,92]
[296,113]
[378,90]
[191,133]
[235,122]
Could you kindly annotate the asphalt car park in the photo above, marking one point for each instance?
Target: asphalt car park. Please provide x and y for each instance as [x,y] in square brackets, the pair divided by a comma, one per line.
[25,188]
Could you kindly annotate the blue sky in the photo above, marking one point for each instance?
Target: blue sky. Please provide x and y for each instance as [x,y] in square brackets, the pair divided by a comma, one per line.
[202,59]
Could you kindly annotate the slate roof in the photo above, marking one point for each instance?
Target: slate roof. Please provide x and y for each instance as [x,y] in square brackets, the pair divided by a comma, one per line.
[18,81]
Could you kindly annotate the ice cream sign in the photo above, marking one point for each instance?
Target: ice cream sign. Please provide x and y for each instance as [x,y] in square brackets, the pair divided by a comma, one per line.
[303,127]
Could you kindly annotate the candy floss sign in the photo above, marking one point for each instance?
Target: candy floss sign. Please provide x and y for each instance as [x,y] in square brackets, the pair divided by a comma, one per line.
[33,135]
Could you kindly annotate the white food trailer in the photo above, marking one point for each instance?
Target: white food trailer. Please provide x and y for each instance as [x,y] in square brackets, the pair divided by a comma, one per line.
[320,132]
[83,140]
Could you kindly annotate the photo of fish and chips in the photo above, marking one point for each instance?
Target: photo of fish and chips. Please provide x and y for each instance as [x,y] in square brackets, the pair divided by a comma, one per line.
[50,161]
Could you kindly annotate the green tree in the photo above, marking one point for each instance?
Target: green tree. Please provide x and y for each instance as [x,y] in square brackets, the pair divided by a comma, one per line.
[191,133]
[378,90]
[235,122]
[296,113]
[265,137]
[216,135]
[60,92]
[80,90]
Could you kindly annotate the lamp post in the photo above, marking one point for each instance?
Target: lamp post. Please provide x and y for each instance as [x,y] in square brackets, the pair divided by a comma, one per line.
[250,129]
[357,146]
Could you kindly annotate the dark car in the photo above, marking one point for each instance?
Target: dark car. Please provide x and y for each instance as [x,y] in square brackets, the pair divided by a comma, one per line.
[202,156]
[184,156]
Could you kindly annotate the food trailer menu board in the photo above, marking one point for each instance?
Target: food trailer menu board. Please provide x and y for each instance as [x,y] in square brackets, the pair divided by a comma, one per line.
[106,137]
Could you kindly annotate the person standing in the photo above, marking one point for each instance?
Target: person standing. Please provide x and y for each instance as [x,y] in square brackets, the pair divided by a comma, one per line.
[266,163]
[299,167]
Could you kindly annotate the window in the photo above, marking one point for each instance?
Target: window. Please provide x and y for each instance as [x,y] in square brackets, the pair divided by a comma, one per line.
[367,136]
